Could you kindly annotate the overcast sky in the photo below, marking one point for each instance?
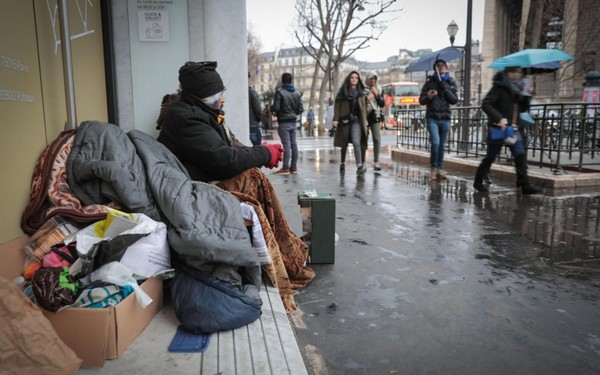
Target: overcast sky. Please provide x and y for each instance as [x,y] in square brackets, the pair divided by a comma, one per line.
[422,24]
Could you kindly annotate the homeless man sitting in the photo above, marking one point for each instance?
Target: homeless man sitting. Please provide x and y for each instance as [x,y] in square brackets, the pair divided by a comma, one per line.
[194,129]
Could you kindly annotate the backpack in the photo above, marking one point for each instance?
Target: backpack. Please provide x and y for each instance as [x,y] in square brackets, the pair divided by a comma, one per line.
[165,104]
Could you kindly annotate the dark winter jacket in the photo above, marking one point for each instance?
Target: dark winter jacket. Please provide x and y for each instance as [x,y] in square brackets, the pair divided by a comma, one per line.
[287,104]
[500,102]
[194,133]
[438,107]
[254,107]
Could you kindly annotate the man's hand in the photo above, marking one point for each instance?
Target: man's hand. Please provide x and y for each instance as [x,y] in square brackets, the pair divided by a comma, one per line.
[431,94]
[276,155]
[502,123]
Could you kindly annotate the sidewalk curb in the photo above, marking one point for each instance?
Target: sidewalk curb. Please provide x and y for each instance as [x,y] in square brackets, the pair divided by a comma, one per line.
[502,172]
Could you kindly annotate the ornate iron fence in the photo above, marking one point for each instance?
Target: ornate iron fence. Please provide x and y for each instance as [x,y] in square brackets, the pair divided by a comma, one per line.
[563,136]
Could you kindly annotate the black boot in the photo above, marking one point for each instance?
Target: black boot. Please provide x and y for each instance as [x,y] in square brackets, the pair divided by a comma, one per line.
[482,171]
[529,190]
[487,179]
[522,178]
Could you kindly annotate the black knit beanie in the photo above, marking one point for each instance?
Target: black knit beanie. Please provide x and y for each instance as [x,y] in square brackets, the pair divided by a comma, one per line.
[200,79]
[439,61]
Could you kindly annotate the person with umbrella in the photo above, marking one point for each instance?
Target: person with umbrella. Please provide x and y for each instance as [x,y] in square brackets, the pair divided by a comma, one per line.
[438,93]
[505,101]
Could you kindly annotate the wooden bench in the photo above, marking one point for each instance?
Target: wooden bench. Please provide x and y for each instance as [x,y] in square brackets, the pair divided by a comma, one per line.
[267,346]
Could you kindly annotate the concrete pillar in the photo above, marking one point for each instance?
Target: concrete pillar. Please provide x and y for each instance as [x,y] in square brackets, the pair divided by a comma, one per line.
[490,43]
[215,30]
[218,32]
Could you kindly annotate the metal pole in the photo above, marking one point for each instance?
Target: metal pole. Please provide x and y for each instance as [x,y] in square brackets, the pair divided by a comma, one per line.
[65,43]
[467,72]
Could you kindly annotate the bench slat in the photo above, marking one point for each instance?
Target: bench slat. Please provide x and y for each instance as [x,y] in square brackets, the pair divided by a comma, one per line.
[209,363]
[265,347]
[226,352]
[243,359]
[292,353]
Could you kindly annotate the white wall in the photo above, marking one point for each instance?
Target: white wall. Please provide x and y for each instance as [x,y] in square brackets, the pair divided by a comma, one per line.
[198,30]
[154,64]
[218,32]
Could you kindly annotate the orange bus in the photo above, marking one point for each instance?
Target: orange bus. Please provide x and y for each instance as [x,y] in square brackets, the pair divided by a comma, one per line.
[397,95]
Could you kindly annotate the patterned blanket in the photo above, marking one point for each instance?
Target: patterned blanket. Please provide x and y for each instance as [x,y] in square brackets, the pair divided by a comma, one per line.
[50,193]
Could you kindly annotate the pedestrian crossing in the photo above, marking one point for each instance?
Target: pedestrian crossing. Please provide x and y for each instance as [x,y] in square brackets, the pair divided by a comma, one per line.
[323,142]
[315,143]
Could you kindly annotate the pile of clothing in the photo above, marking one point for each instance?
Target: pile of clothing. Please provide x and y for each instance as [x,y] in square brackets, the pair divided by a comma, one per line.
[86,172]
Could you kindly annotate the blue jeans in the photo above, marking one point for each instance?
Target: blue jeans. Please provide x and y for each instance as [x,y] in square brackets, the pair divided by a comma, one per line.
[438,134]
[255,136]
[287,134]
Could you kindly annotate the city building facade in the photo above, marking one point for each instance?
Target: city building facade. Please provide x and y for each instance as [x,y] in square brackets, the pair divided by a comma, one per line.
[572,26]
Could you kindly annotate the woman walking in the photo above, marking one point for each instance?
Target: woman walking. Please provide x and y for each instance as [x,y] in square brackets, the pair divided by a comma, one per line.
[350,119]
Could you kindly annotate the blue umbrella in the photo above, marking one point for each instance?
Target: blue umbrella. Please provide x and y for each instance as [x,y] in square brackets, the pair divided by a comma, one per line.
[543,68]
[426,61]
[530,58]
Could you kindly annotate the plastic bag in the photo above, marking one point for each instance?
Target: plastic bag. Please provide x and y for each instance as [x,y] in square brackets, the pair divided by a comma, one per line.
[53,232]
[60,255]
[54,288]
[118,274]
[30,345]
[511,135]
[135,240]
[526,118]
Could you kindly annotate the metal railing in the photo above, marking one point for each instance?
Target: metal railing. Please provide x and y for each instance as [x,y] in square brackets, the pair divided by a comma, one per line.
[564,136]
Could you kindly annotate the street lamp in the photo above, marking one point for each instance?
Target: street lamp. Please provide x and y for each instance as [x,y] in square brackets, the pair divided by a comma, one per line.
[452,30]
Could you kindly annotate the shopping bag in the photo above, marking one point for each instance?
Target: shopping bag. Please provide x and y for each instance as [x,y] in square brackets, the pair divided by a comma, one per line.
[497,133]
[135,240]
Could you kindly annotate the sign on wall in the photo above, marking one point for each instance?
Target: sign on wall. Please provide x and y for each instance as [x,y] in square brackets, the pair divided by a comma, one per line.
[153,21]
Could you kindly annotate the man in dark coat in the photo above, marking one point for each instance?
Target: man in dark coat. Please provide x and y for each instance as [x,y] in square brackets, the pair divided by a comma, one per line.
[437,94]
[255,116]
[503,105]
[193,128]
[287,106]
[195,131]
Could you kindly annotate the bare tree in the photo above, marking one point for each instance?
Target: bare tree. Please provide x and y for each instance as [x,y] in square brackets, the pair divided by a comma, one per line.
[331,31]
[254,47]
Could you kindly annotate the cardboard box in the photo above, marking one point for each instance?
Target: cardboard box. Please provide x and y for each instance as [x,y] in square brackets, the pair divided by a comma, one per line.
[94,334]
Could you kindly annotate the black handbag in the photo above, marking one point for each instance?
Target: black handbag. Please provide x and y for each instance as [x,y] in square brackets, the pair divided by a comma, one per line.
[345,120]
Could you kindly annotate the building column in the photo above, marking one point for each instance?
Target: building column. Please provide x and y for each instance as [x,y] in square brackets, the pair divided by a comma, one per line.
[218,33]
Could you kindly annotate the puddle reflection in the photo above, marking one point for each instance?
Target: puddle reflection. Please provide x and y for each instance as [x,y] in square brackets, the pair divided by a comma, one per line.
[568,228]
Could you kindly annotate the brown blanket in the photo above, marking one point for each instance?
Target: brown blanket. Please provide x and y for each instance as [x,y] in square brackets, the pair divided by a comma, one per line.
[288,252]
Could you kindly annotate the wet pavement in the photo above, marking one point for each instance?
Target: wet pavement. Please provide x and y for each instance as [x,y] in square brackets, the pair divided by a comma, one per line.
[434,278]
